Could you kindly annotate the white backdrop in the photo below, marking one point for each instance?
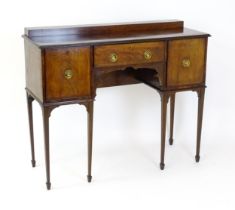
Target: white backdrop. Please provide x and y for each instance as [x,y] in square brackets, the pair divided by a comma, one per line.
[126,172]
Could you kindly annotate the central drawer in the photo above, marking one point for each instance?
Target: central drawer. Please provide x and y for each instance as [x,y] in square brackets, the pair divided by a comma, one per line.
[129,54]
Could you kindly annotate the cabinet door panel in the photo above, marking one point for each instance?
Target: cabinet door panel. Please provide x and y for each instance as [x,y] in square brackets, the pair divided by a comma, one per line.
[186,62]
[67,73]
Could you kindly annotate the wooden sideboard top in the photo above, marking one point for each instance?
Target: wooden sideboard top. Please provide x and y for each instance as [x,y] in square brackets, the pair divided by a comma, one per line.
[109,33]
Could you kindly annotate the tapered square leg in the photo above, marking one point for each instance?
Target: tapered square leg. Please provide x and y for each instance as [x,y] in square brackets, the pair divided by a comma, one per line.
[90,135]
[201,94]
[46,115]
[30,100]
[172,112]
[164,99]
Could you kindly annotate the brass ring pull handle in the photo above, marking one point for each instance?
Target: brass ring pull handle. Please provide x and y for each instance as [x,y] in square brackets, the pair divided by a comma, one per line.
[113,57]
[68,74]
[186,63]
[147,54]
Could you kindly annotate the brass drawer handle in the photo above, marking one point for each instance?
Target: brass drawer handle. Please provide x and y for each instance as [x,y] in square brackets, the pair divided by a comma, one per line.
[147,54]
[68,74]
[113,57]
[186,63]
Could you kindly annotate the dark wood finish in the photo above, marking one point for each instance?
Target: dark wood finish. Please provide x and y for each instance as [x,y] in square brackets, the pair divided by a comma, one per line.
[90,133]
[114,78]
[57,61]
[131,75]
[45,37]
[106,29]
[46,114]
[192,49]
[65,65]
[30,100]
[201,93]
[164,100]
[77,40]
[172,113]
[129,54]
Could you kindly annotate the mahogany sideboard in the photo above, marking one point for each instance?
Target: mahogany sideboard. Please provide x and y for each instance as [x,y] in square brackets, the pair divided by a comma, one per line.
[65,65]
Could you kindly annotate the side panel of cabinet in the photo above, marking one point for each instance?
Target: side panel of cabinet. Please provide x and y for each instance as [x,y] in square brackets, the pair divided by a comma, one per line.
[67,73]
[33,65]
[186,62]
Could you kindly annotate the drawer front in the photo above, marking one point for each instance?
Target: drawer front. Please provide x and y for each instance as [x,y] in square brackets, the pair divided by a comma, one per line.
[67,73]
[186,62]
[129,54]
